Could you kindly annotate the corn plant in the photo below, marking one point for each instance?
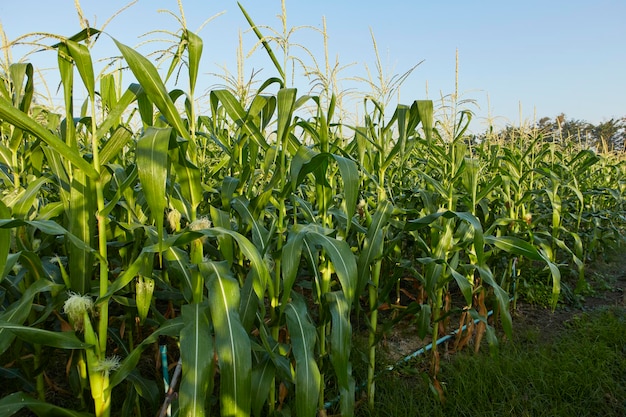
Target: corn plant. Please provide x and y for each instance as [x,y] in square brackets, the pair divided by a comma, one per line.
[248,239]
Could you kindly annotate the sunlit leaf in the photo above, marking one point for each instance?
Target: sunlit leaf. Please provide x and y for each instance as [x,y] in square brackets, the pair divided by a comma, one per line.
[231,340]
[307,379]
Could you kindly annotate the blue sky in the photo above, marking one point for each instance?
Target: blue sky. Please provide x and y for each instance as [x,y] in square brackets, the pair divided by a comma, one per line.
[549,57]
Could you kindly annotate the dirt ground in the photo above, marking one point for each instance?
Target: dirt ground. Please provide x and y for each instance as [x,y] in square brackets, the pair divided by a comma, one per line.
[607,281]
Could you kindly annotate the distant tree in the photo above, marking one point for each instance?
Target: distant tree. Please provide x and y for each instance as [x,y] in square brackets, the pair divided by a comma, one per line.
[604,137]
[561,129]
[577,130]
[544,123]
[610,135]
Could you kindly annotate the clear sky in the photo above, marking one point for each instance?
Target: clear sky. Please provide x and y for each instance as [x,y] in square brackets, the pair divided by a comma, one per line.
[549,57]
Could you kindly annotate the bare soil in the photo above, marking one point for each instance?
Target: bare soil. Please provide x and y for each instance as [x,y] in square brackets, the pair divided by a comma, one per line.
[608,288]
[607,281]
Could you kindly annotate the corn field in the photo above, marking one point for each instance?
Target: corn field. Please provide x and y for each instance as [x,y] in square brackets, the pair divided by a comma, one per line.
[178,261]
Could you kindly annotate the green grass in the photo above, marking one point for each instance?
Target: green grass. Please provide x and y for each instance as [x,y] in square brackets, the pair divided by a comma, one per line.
[582,373]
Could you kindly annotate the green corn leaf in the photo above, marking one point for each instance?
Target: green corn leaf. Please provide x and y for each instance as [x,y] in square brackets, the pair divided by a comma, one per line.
[93,356]
[146,388]
[194,48]
[58,168]
[145,106]
[258,265]
[125,183]
[222,219]
[22,97]
[236,112]
[273,349]
[229,190]
[114,114]
[18,312]
[21,120]
[350,177]
[180,239]
[16,376]
[556,203]
[13,403]
[4,91]
[51,211]
[340,347]
[426,114]
[486,189]
[176,57]
[32,263]
[5,240]
[286,105]
[433,272]
[301,165]
[233,347]
[307,379]
[26,200]
[307,160]
[306,209]
[266,106]
[22,94]
[291,255]
[82,221]
[373,245]
[179,267]
[414,118]
[265,44]
[343,261]
[576,253]
[114,145]
[437,185]
[152,166]
[171,327]
[502,298]
[556,277]
[464,285]
[477,229]
[108,93]
[66,70]
[82,60]
[6,156]
[84,34]
[515,246]
[402,114]
[128,275]
[260,234]
[61,340]
[11,260]
[151,82]
[262,376]
[49,227]
[249,304]
[312,256]
[196,352]
[577,193]
[423,320]
[588,158]
[189,180]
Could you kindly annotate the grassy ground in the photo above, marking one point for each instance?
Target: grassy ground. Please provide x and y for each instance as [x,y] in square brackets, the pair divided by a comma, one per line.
[571,362]
[583,373]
